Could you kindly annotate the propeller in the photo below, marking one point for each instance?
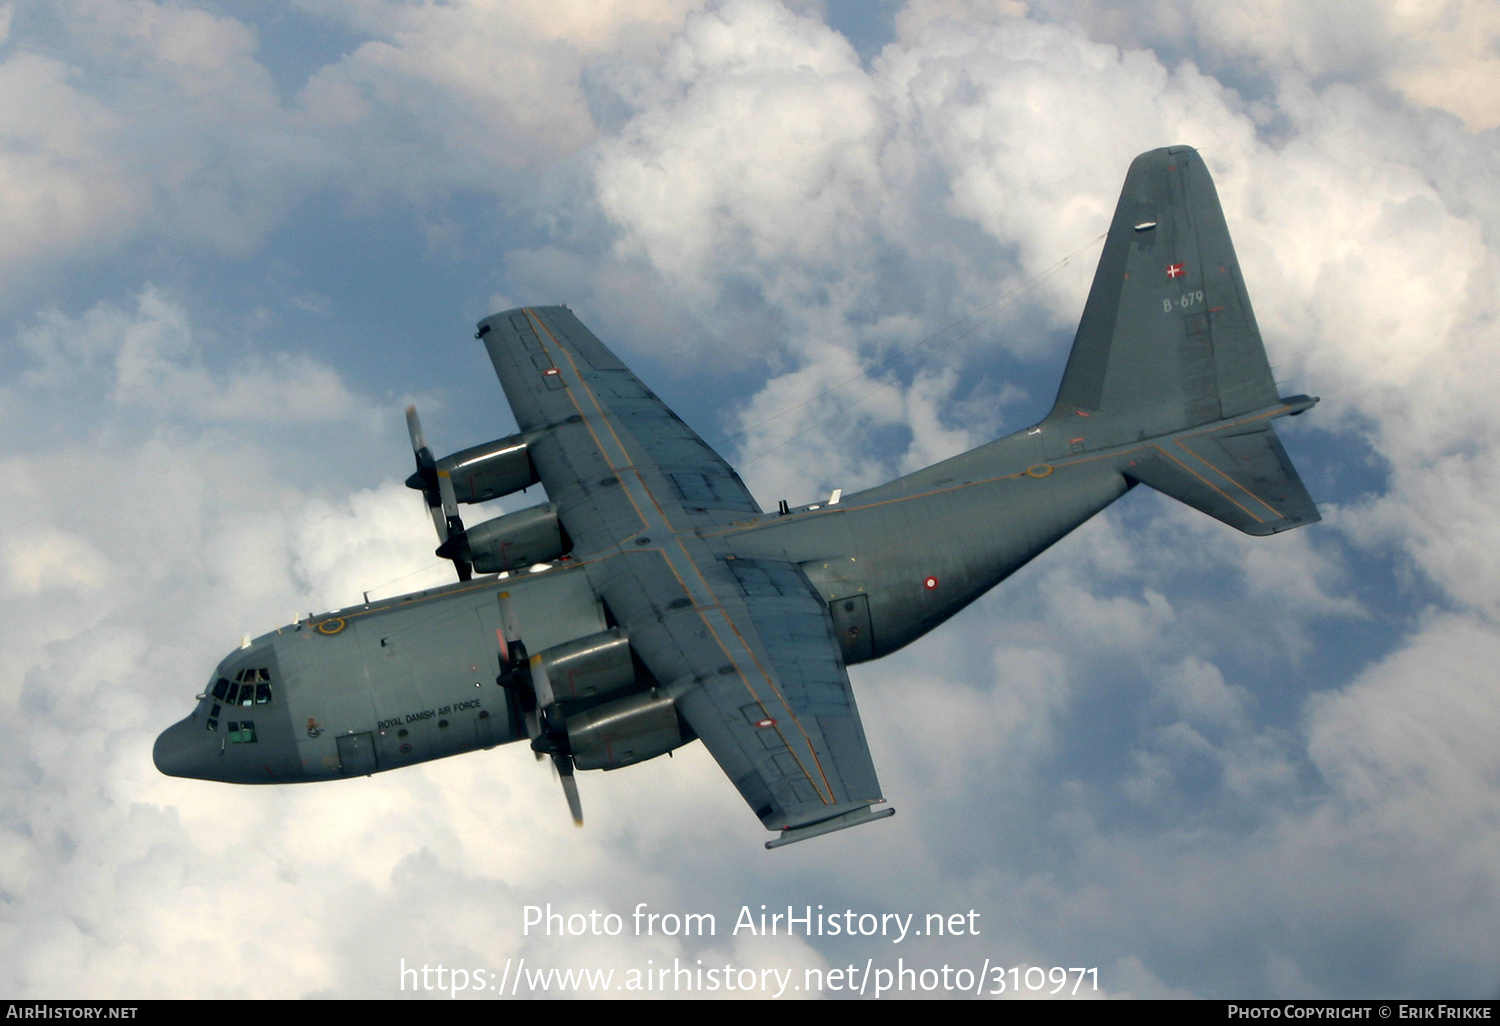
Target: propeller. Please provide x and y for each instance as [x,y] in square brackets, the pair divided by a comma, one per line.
[437,489]
[526,677]
[515,669]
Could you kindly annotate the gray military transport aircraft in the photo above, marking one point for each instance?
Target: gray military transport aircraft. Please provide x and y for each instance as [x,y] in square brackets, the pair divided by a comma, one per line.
[652,601]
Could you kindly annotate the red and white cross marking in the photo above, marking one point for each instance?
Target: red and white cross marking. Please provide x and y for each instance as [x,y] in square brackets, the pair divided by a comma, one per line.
[1176,270]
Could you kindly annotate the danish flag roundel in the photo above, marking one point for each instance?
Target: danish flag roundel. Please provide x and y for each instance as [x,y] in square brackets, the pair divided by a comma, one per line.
[1175,270]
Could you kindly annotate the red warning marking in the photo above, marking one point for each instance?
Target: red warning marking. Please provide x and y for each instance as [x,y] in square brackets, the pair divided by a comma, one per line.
[1215,309]
[550,372]
[1080,413]
[1175,271]
[1075,441]
[767,722]
[930,583]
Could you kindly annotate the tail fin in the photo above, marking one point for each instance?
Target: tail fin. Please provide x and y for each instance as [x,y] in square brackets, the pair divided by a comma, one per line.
[1168,343]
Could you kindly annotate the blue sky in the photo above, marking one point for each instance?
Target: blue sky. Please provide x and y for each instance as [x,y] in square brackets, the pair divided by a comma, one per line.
[236,239]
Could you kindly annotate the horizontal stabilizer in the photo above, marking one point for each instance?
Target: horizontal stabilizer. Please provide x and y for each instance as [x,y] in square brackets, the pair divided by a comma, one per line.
[1245,480]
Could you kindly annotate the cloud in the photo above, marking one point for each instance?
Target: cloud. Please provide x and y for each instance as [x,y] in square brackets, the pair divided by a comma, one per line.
[59,185]
[151,358]
[1205,764]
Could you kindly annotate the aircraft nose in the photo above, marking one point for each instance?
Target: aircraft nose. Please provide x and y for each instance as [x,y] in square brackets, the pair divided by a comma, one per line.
[183,750]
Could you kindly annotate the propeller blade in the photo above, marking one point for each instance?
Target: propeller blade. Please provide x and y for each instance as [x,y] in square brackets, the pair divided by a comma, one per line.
[414,428]
[426,477]
[455,544]
[534,731]
[540,683]
[509,629]
[564,766]
[448,497]
[541,687]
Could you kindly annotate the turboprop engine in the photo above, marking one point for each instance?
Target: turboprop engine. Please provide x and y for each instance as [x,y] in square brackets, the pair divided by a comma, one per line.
[586,703]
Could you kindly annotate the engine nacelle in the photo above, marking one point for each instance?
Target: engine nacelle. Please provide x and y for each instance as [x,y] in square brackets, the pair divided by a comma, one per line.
[517,540]
[489,471]
[590,668]
[633,729]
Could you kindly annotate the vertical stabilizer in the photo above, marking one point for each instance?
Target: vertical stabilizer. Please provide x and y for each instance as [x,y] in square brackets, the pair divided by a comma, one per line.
[1167,340]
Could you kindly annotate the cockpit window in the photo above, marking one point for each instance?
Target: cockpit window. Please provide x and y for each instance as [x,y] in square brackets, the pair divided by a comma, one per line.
[251,686]
[241,731]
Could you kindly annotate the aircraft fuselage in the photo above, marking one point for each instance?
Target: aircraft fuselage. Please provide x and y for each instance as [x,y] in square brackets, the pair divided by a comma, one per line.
[405,680]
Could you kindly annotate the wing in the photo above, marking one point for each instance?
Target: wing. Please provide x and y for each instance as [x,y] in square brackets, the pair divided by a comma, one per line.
[745,648]
[753,666]
[593,427]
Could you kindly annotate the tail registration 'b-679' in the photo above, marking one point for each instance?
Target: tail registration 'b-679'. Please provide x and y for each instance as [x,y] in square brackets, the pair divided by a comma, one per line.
[651,602]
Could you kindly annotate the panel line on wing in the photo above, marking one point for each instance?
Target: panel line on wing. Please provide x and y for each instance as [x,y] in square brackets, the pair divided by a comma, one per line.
[750,688]
[701,609]
[770,682]
[812,749]
[627,461]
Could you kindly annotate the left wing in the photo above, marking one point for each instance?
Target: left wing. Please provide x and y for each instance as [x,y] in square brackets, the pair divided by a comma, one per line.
[745,648]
